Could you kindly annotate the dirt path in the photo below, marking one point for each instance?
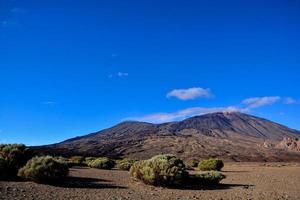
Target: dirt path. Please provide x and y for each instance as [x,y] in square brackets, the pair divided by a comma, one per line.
[244,181]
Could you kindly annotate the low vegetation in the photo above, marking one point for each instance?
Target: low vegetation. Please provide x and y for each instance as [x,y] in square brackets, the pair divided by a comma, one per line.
[44,169]
[12,158]
[62,159]
[211,165]
[160,170]
[77,161]
[125,164]
[102,163]
[89,159]
[210,177]
[191,164]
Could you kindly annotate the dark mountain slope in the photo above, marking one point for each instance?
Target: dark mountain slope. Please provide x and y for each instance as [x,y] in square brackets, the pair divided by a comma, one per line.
[232,136]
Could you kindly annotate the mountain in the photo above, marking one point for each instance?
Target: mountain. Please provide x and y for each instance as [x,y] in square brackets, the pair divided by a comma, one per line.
[229,135]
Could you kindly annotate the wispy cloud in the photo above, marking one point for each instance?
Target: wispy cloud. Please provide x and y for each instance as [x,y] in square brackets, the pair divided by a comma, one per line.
[290,100]
[118,74]
[9,23]
[121,74]
[185,113]
[48,102]
[246,106]
[190,93]
[256,102]
[13,17]
[17,10]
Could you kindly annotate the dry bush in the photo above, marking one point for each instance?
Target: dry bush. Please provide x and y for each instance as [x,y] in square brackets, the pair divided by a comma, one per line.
[125,164]
[211,165]
[210,177]
[14,156]
[191,164]
[44,169]
[76,161]
[160,170]
[102,163]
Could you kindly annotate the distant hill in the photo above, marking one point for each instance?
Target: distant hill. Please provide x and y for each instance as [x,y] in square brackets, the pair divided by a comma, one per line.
[229,135]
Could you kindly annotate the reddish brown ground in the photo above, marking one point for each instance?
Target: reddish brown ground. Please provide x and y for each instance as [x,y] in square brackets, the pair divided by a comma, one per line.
[244,181]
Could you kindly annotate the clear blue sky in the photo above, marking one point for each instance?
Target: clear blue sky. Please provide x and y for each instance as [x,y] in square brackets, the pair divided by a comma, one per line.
[68,68]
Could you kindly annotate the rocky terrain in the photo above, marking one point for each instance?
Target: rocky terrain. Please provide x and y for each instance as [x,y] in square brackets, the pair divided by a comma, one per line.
[244,181]
[231,136]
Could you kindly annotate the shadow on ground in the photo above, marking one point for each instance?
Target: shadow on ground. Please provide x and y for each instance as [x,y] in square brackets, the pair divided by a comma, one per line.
[84,182]
[235,171]
[193,184]
[220,186]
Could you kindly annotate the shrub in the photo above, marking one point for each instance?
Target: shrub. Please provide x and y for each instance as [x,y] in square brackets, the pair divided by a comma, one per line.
[44,169]
[63,160]
[15,156]
[77,161]
[211,165]
[125,164]
[102,163]
[160,170]
[210,178]
[89,159]
[191,164]
[3,168]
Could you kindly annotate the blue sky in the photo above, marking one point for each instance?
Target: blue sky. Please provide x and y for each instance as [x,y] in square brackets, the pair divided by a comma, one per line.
[68,68]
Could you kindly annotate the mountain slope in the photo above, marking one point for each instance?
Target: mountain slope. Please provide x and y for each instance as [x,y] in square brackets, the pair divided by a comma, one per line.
[231,136]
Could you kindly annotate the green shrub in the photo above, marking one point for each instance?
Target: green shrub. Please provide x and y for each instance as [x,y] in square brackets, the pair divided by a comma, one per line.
[125,164]
[102,163]
[89,159]
[77,161]
[160,170]
[44,169]
[63,160]
[211,165]
[15,156]
[210,178]
[191,164]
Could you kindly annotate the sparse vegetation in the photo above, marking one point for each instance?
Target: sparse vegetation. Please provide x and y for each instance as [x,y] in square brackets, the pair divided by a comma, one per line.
[44,169]
[125,164]
[102,163]
[160,170]
[191,164]
[89,159]
[62,159]
[13,157]
[210,178]
[77,161]
[211,165]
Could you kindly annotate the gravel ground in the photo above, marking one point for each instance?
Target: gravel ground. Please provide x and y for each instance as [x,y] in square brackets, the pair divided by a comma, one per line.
[244,181]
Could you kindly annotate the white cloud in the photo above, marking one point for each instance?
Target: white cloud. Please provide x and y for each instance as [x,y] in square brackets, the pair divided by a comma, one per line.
[118,74]
[14,18]
[48,102]
[190,93]
[256,102]
[16,10]
[121,74]
[9,23]
[290,100]
[185,113]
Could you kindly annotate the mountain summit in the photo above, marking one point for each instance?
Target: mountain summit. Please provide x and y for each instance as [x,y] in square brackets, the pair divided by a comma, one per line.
[228,135]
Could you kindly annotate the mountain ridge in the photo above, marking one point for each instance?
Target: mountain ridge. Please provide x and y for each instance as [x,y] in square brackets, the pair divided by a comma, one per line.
[233,136]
